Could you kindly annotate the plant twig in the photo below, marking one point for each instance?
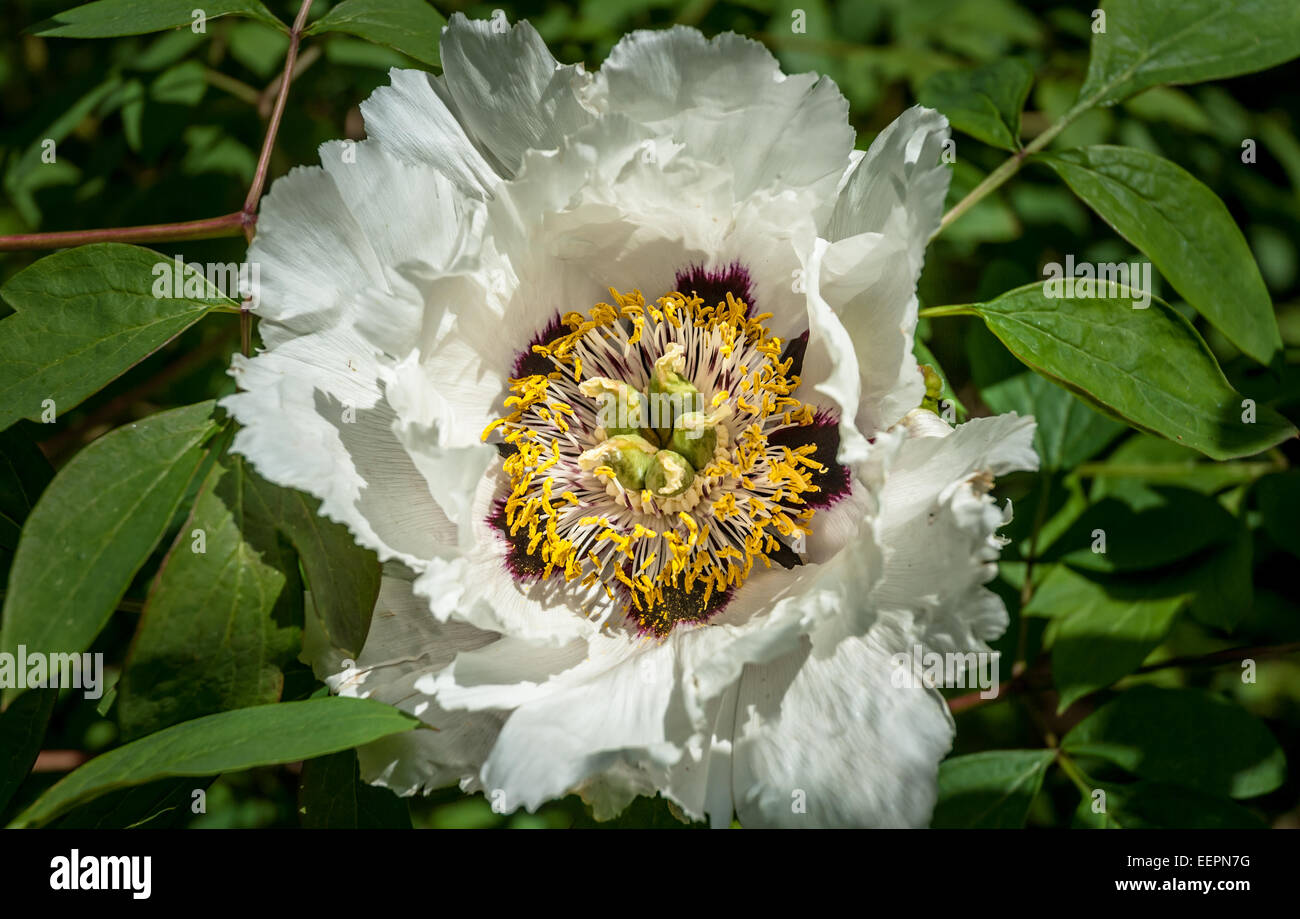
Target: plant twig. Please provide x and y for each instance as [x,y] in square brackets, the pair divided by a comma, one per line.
[237,88]
[282,96]
[59,760]
[1011,166]
[265,100]
[207,228]
[264,158]
[229,225]
[1077,775]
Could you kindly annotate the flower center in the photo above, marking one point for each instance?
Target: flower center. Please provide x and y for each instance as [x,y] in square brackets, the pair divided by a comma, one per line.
[659,457]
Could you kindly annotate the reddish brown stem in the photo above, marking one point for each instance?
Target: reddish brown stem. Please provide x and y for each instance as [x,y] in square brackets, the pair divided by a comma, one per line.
[264,158]
[277,113]
[958,704]
[59,760]
[208,228]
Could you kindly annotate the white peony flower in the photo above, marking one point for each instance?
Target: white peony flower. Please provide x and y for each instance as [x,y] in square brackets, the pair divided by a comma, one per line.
[450,309]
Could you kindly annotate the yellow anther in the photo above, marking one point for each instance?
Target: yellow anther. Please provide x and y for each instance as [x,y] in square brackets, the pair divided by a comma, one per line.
[752,485]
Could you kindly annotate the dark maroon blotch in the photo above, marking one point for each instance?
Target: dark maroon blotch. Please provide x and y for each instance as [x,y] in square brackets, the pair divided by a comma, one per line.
[795,349]
[528,362]
[784,556]
[522,565]
[712,286]
[680,606]
[824,434]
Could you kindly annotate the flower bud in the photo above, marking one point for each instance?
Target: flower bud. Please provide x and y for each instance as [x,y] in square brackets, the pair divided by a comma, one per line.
[623,410]
[695,436]
[933,388]
[670,393]
[669,474]
[629,455]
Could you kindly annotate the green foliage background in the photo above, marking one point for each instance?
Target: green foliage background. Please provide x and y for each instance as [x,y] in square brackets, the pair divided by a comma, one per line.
[167,127]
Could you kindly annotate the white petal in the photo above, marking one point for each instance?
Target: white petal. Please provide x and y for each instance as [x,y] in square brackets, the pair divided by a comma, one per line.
[297,434]
[410,120]
[478,588]
[442,442]
[331,242]
[404,643]
[939,526]
[824,739]
[831,367]
[310,252]
[769,620]
[899,186]
[408,212]
[613,721]
[509,92]
[728,102]
[512,671]
[312,406]
[459,386]
[866,282]
[701,781]
[886,212]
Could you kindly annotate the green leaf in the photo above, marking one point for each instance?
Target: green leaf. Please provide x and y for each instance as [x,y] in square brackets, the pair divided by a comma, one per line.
[1278,497]
[95,525]
[342,576]
[183,84]
[128,98]
[350,52]
[111,18]
[30,172]
[1183,737]
[22,731]
[24,473]
[84,316]
[1154,805]
[220,624]
[1182,524]
[1222,582]
[1173,106]
[267,735]
[1143,460]
[1051,509]
[1147,366]
[1068,430]
[167,49]
[331,795]
[211,150]
[984,103]
[412,27]
[1186,231]
[157,805]
[1153,42]
[1105,629]
[990,790]
[259,48]
[1151,529]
